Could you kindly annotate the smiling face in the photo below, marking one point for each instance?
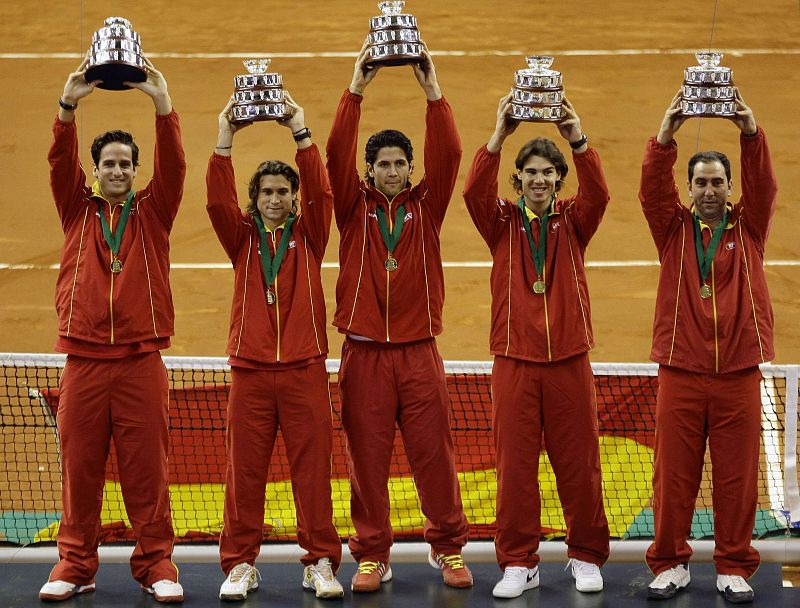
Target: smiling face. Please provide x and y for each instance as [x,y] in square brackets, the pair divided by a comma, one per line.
[275,199]
[115,171]
[390,171]
[709,191]
[538,177]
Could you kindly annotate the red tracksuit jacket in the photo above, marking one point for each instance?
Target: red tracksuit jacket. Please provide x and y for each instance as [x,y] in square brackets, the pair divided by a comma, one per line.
[525,325]
[93,304]
[293,328]
[404,305]
[731,330]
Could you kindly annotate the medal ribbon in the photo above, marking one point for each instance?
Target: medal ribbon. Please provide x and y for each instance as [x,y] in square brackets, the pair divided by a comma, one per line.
[391,239]
[270,265]
[706,256]
[115,240]
[538,254]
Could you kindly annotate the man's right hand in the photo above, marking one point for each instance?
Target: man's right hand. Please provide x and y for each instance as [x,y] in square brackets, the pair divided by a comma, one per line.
[76,87]
[673,119]
[362,73]
[504,126]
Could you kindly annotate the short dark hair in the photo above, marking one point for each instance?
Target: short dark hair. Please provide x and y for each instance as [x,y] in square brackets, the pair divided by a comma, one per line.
[110,137]
[709,157]
[270,167]
[545,148]
[388,138]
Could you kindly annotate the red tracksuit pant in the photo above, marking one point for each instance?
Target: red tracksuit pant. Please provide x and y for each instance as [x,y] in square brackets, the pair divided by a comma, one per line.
[298,401]
[724,409]
[386,384]
[126,399]
[558,399]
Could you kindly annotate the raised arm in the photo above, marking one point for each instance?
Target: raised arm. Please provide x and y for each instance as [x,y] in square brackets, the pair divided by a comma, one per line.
[481,188]
[342,147]
[223,205]
[759,187]
[442,142]
[67,179]
[316,196]
[169,161]
[592,198]
[658,192]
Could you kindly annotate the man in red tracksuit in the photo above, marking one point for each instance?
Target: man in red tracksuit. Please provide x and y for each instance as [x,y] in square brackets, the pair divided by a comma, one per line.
[541,333]
[114,316]
[389,304]
[277,346]
[713,327]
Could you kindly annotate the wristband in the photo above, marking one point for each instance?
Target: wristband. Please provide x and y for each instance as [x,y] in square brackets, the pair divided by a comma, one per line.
[302,134]
[223,147]
[578,144]
[66,106]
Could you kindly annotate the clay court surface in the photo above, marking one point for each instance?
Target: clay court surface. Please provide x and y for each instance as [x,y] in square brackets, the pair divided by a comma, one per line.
[622,62]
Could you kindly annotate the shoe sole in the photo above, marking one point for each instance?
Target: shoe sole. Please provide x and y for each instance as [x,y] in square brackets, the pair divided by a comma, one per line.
[325,595]
[163,599]
[50,597]
[534,584]
[589,589]
[736,600]
[656,595]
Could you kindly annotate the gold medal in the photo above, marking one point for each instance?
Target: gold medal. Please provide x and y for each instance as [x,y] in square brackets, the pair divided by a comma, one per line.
[116,266]
[705,291]
[539,287]
[391,263]
[271,297]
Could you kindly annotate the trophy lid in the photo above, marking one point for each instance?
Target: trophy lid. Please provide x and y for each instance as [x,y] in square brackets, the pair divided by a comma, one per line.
[395,7]
[538,65]
[258,66]
[118,21]
[709,62]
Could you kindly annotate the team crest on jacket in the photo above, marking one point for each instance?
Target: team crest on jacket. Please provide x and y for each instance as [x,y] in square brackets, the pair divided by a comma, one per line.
[730,246]
[554,226]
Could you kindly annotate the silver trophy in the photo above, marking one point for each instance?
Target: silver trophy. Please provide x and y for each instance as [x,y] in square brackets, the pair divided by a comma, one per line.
[258,95]
[116,56]
[537,92]
[707,88]
[393,36]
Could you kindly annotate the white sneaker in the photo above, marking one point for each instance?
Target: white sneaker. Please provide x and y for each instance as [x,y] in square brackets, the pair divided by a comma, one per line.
[668,582]
[321,579]
[241,579]
[166,592]
[735,588]
[587,576]
[55,591]
[516,580]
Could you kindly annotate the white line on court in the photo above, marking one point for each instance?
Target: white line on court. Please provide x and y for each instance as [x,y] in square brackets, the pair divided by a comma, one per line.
[474,264]
[736,52]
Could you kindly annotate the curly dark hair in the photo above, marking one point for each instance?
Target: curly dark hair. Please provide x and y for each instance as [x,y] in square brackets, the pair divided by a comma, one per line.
[270,167]
[546,149]
[109,137]
[388,138]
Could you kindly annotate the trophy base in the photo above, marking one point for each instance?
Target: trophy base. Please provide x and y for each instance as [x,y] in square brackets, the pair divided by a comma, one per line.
[526,113]
[394,60]
[113,75]
[706,115]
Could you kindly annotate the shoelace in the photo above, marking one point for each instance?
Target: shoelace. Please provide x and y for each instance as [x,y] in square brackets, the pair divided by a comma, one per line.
[514,573]
[583,568]
[367,567]
[240,571]
[324,569]
[738,584]
[454,561]
[668,576]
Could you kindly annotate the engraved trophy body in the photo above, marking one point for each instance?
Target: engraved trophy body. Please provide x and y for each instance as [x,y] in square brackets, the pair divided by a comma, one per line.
[393,37]
[537,92]
[708,88]
[258,95]
[115,56]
